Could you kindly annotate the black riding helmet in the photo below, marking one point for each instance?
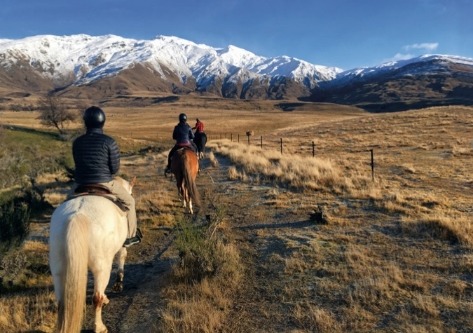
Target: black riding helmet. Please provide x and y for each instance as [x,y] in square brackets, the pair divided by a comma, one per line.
[183,117]
[94,117]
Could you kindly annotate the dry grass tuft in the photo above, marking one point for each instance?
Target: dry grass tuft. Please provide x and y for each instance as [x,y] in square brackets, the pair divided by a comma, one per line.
[203,305]
[313,318]
[27,312]
[447,225]
[213,159]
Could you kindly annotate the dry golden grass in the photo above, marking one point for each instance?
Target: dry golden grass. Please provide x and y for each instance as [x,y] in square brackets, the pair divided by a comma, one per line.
[294,170]
[34,307]
[204,305]
[395,255]
[30,309]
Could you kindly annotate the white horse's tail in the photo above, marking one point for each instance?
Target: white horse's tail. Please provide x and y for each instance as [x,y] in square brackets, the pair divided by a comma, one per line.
[74,276]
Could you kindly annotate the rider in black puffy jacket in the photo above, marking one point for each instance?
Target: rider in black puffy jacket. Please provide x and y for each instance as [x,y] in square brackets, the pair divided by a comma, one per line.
[96,156]
[97,161]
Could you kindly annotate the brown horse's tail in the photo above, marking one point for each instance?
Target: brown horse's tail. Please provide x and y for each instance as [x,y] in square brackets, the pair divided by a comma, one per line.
[189,173]
[74,276]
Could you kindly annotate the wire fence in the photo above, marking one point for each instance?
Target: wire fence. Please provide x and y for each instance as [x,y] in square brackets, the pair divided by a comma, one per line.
[250,139]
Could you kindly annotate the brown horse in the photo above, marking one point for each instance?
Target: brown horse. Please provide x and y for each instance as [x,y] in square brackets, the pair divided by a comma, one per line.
[185,166]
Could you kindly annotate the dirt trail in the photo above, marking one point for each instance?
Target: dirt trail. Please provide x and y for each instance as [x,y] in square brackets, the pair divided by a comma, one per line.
[139,304]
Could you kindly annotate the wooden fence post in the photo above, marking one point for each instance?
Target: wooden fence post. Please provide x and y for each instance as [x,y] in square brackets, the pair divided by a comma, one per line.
[372,164]
[261,142]
[281,145]
[248,134]
[313,149]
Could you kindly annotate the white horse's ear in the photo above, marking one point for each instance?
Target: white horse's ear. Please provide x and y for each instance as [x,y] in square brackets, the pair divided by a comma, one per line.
[133,182]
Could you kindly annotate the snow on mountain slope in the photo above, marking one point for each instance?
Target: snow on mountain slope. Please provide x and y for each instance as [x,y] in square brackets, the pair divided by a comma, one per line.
[90,58]
[77,60]
[436,60]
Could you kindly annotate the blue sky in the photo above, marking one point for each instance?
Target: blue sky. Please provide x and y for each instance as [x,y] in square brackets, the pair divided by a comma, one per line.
[341,33]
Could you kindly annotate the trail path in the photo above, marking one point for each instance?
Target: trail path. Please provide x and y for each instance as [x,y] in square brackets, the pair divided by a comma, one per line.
[277,239]
[246,204]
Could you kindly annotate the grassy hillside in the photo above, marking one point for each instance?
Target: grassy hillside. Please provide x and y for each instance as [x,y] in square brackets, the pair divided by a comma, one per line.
[26,153]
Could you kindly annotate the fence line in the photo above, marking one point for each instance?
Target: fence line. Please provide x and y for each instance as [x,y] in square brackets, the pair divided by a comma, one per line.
[313,145]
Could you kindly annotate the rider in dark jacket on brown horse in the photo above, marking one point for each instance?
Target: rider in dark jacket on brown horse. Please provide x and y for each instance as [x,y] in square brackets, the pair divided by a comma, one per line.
[184,138]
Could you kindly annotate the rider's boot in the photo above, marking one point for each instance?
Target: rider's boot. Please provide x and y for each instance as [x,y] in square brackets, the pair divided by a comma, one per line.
[134,240]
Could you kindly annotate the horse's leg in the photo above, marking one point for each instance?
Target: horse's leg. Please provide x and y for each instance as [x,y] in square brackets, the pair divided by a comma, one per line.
[180,191]
[187,199]
[120,257]
[190,206]
[100,299]
[184,195]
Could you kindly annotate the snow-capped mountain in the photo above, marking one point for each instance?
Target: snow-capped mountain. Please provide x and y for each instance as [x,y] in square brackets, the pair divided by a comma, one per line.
[106,66]
[80,60]
[417,82]
[424,65]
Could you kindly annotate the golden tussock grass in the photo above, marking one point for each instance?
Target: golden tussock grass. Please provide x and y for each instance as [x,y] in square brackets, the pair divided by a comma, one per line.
[213,160]
[22,312]
[203,306]
[448,225]
[294,170]
[314,318]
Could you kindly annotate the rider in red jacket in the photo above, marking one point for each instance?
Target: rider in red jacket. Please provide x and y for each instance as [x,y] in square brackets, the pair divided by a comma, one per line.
[199,126]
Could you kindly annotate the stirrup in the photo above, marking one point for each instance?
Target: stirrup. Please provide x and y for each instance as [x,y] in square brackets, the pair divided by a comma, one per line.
[134,240]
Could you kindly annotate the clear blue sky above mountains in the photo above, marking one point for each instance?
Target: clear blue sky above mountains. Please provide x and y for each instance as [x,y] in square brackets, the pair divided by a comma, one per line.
[341,33]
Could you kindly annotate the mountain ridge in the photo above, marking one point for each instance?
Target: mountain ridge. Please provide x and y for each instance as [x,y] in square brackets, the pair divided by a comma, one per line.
[109,65]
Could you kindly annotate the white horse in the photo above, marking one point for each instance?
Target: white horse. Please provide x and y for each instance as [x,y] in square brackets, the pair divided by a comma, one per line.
[87,232]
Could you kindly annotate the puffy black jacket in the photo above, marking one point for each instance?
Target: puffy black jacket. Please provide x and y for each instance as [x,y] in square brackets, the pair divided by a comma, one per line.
[96,157]
[183,133]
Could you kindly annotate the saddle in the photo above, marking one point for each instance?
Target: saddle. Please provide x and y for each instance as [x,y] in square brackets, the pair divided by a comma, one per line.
[92,189]
[98,190]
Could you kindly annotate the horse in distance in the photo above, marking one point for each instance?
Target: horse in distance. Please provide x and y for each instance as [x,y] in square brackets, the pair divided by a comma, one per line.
[185,166]
[200,140]
[86,233]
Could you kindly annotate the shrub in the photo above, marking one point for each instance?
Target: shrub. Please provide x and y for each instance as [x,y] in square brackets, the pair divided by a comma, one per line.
[14,221]
[196,252]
